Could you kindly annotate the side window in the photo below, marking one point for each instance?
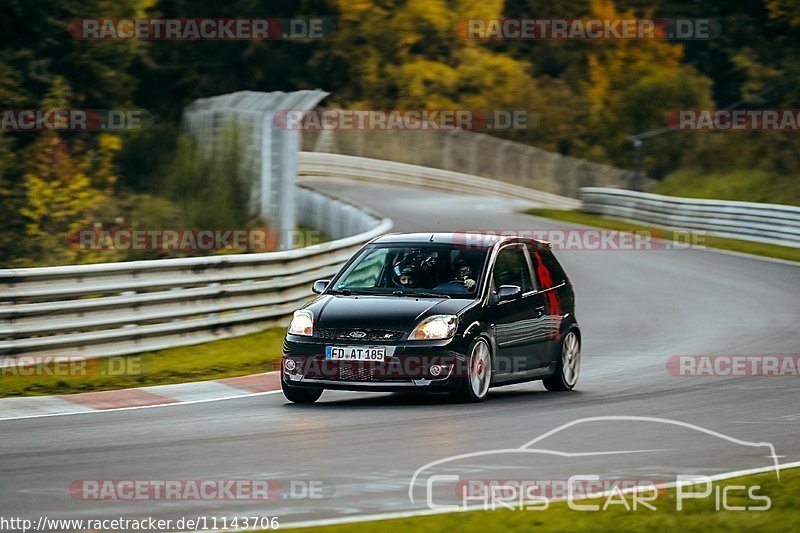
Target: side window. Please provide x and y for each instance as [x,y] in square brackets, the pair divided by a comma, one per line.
[546,269]
[367,271]
[511,268]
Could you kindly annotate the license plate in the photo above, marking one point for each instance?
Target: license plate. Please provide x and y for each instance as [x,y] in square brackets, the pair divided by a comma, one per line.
[355,353]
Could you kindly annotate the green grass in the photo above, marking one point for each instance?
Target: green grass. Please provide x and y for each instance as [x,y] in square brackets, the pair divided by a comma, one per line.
[697,515]
[249,354]
[709,241]
[741,185]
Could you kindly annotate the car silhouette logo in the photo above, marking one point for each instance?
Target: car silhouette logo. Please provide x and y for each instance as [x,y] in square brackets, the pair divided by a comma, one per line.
[358,334]
[424,475]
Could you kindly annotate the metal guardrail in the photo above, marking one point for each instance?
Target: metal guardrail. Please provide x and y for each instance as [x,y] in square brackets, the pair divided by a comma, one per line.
[770,223]
[122,308]
[337,166]
[474,154]
[108,309]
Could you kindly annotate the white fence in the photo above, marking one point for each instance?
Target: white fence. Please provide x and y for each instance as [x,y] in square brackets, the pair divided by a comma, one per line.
[129,307]
[770,223]
[269,153]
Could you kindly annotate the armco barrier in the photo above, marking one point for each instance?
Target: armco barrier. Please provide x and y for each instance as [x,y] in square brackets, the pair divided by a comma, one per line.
[106,309]
[337,166]
[770,223]
[129,307]
[474,154]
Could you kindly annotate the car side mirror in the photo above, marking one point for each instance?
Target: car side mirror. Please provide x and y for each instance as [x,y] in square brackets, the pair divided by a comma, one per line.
[320,285]
[508,292]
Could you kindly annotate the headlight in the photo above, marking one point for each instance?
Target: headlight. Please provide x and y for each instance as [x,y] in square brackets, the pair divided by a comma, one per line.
[302,323]
[435,327]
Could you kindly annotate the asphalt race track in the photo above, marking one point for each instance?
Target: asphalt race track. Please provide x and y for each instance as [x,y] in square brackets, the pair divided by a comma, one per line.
[636,309]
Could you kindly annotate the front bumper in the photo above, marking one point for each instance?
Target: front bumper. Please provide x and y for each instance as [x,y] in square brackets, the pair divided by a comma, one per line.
[422,366]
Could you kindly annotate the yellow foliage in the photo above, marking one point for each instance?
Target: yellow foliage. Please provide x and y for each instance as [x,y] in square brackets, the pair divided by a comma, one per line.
[617,65]
[479,9]
[60,190]
[428,84]
[788,10]
[412,47]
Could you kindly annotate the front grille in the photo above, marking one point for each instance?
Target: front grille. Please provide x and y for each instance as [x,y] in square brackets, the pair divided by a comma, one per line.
[370,334]
[355,372]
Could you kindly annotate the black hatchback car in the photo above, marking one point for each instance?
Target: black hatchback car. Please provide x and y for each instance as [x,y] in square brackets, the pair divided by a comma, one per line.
[441,312]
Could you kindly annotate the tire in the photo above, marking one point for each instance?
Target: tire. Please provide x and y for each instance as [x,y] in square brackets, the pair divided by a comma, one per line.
[476,384]
[569,365]
[300,395]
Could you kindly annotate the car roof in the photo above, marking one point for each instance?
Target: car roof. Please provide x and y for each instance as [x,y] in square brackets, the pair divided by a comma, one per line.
[487,239]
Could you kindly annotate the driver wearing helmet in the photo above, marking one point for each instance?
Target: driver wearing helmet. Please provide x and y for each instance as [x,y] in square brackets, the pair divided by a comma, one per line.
[462,279]
[407,272]
[463,273]
[411,270]
[406,275]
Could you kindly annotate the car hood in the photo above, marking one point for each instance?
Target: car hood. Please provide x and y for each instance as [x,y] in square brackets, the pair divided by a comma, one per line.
[398,313]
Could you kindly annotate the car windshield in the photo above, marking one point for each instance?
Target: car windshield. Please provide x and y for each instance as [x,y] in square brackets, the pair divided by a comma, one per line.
[429,269]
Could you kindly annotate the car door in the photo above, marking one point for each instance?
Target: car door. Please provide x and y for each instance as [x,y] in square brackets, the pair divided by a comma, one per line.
[551,280]
[518,322]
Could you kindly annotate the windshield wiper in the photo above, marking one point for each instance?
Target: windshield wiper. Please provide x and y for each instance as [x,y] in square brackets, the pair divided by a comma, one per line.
[355,292]
[348,292]
[398,292]
[420,294]
[343,292]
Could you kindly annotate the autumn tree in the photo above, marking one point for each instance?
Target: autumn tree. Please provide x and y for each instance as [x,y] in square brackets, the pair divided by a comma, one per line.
[64,180]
